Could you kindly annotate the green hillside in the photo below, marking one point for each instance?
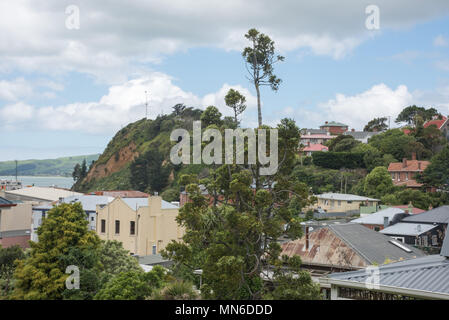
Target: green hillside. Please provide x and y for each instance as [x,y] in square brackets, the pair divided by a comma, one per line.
[48,167]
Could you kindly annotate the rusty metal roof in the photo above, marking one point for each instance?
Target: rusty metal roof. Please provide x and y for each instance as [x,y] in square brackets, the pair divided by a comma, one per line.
[347,246]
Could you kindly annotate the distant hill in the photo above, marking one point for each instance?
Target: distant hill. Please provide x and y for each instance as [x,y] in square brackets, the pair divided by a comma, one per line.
[49,167]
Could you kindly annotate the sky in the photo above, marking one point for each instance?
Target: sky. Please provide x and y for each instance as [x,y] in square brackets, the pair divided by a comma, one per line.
[72,73]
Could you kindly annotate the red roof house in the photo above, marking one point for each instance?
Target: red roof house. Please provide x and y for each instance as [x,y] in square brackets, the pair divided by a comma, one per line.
[403,173]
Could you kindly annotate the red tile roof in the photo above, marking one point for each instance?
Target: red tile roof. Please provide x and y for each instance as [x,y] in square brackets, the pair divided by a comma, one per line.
[409,184]
[315,147]
[437,123]
[411,165]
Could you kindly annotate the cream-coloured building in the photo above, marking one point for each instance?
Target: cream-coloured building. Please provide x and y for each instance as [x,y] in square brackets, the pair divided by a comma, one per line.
[347,203]
[15,225]
[144,225]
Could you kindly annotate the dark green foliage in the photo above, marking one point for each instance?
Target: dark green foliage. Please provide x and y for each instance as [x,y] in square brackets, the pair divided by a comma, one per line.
[419,199]
[337,160]
[148,172]
[8,257]
[437,173]
[376,125]
[211,116]
[410,114]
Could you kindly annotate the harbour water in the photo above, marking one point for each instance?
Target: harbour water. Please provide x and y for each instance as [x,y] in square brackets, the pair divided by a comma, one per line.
[60,182]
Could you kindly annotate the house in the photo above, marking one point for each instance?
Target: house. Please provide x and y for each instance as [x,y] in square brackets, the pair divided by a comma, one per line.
[334,128]
[425,230]
[382,219]
[15,225]
[404,173]
[345,204]
[442,125]
[88,202]
[7,185]
[5,206]
[347,246]
[362,136]
[309,149]
[143,225]
[40,194]
[310,138]
[416,279]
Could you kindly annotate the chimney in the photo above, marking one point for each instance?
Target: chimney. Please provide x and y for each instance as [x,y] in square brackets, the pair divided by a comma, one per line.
[353,130]
[385,222]
[413,155]
[406,211]
[307,238]
[419,165]
[404,162]
[327,122]
[308,143]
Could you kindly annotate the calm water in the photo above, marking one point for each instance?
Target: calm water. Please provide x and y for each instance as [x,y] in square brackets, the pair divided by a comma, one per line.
[61,182]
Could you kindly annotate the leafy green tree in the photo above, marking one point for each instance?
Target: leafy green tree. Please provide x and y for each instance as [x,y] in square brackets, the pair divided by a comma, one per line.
[132,285]
[83,169]
[235,238]
[236,101]
[431,138]
[116,259]
[345,145]
[376,125]
[260,59]
[409,114]
[148,172]
[63,234]
[178,109]
[8,257]
[437,173]
[292,283]
[378,183]
[396,143]
[76,174]
[176,290]
[211,116]
[372,157]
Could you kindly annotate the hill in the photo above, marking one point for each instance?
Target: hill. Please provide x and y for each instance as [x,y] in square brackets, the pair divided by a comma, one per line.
[138,156]
[48,167]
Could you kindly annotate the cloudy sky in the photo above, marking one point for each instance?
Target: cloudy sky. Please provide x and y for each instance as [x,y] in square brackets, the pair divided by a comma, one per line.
[65,89]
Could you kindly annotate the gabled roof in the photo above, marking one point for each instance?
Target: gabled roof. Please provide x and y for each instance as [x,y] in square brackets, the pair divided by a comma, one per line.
[347,245]
[334,124]
[122,194]
[361,134]
[411,165]
[378,217]
[437,123]
[407,229]
[437,215]
[344,197]
[373,246]
[315,147]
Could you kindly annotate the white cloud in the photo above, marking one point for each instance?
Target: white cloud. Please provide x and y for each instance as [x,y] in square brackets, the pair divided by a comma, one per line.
[357,110]
[440,41]
[15,89]
[122,104]
[117,41]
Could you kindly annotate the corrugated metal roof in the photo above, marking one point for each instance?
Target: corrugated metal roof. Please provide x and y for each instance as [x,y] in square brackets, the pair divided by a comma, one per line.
[360,134]
[429,273]
[378,217]
[373,246]
[5,202]
[407,229]
[445,249]
[437,215]
[44,193]
[344,197]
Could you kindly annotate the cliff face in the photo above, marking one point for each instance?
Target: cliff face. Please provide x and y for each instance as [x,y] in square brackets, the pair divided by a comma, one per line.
[112,170]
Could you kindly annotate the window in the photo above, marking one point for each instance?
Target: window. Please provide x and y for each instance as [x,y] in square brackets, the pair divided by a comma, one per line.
[406,176]
[117,226]
[154,249]
[376,229]
[132,228]
[339,203]
[92,219]
[424,241]
[332,203]
[103,226]
[434,240]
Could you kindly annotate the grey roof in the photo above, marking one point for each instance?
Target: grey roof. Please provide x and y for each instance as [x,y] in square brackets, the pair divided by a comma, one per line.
[89,202]
[152,259]
[373,246]
[344,197]
[4,202]
[429,273]
[378,217]
[135,203]
[437,215]
[408,229]
[360,134]
[334,124]
[313,131]
[445,248]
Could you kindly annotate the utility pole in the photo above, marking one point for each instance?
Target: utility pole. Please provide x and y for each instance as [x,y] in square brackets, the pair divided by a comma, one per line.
[146,105]
[16,170]
[389,122]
